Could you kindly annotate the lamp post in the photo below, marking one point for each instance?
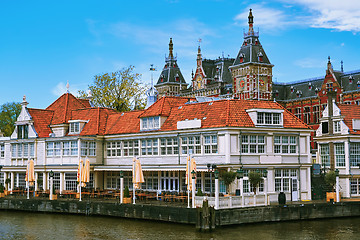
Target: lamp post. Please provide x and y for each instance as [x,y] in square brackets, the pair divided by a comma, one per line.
[51,175]
[211,168]
[337,185]
[121,186]
[193,185]
[216,173]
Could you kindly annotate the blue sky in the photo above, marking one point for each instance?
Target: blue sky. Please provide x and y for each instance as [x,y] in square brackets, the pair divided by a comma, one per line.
[44,44]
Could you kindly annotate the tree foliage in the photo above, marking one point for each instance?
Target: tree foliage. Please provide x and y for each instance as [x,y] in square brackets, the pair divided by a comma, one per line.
[330,179]
[8,114]
[228,178]
[120,90]
[255,178]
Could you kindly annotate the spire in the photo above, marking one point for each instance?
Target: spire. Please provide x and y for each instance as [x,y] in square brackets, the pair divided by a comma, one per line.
[24,102]
[171,47]
[199,58]
[251,22]
[342,66]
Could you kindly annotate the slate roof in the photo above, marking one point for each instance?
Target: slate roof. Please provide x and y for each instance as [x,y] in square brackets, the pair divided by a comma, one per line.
[210,69]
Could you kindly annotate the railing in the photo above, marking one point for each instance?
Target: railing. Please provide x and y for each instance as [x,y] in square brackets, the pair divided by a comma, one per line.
[248,200]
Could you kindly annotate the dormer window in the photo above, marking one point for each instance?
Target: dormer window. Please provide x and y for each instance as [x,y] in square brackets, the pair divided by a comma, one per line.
[260,57]
[351,78]
[22,131]
[337,127]
[150,123]
[177,78]
[76,126]
[242,57]
[267,118]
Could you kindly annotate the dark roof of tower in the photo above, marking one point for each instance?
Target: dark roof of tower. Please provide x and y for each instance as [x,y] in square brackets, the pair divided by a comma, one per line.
[171,72]
[212,69]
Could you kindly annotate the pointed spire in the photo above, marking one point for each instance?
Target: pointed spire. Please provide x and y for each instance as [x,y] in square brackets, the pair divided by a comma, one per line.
[251,22]
[342,66]
[329,66]
[199,58]
[171,47]
[67,87]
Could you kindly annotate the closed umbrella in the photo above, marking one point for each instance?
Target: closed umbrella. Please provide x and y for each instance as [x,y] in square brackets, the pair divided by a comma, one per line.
[85,176]
[30,175]
[190,166]
[138,176]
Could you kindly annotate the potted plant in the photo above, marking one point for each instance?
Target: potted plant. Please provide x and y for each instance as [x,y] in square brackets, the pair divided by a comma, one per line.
[199,193]
[330,180]
[2,194]
[228,178]
[53,192]
[7,182]
[255,179]
[127,198]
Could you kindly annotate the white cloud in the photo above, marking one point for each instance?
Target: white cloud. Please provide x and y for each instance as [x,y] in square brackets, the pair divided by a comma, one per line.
[332,14]
[310,63]
[60,89]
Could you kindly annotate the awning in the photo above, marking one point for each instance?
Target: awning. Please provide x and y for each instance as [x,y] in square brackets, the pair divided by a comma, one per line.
[148,168]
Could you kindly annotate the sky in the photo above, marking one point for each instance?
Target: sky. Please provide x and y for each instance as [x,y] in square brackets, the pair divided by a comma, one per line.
[45,44]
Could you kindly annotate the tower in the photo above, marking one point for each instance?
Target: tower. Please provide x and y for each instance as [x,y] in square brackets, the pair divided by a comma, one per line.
[252,70]
[170,81]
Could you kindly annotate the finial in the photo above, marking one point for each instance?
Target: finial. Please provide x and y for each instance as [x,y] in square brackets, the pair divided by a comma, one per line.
[192,73]
[67,87]
[199,41]
[342,66]
[24,98]
[171,47]
[251,21]
[328,59]
[24,102]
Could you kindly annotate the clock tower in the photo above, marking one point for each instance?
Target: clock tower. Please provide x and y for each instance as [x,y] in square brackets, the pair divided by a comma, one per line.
[252,71]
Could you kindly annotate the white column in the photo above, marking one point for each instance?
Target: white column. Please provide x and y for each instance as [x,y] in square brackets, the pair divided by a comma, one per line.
[337,189]
[51,187]
[121,189]
[36,183]
[17,180]
[265,191]
[62,182]
[241,191]
[227,147]
[347,157]
[216,193]
[5,177]
[45,185]
[12,176]
[193,183]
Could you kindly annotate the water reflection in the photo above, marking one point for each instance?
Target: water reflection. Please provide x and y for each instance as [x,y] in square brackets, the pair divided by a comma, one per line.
[19,225]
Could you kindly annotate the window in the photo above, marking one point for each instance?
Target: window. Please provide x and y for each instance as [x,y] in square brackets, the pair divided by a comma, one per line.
[169,146]
[70,148]
[131,148]
[339,155]
[247,187]
[150,181]
[316,114]
[74,127]
[325,154]
[284,144]
[355,186]
[337,127]
[283,179]
[268,118]
[113,149]
[252,143]
[53,149]
[150,123]
[191,145]
[354,154]
[307,115]
[298,113]
[210,144]
[149,147]
[71,181]
[325,127]
[22,131]
[22,150]
[88,148]
[2,150]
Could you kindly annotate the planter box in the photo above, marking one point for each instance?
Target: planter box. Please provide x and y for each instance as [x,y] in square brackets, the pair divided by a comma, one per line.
[126,200]
[332,195]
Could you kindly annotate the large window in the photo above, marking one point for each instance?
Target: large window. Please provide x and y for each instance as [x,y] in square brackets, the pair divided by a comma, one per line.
[2,150]
[149,147]
[355,186]
[74,128]
[53,149]
[340,155]
[113,180]
[325,154]
[150,181]
[247,187]
[268,118]
[70,148]
[285,144]
[298,113]
[354,154]
[283,179]
[210,144]
[316,113]
[169,146]
[71,181]
[22,131]
[307,114]
[22,150]
[150,123]
[252,143]
[88,148]
[113,149]
[131,148]
[191,145]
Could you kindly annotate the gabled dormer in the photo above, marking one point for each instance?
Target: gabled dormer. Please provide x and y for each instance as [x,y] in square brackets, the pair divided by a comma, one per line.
[24,125]
[75,126]
[266,117]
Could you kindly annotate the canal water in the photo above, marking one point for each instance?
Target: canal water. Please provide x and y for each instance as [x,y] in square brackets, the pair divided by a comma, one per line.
[23,225]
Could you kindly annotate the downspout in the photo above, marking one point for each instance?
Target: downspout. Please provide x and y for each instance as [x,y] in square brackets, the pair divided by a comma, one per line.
[240,147]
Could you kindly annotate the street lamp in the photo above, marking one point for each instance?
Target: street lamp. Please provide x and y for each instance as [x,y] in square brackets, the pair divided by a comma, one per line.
[121,186]
[193,185]
[216,174]
[51,175]
[265,173]
[211,168]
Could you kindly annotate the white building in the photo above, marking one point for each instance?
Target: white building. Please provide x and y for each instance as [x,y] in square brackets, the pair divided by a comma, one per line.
[231,134]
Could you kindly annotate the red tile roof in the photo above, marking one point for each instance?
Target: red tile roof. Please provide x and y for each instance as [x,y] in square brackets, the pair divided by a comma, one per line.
[350,112]
[42,120]
[63,106]
[126,122]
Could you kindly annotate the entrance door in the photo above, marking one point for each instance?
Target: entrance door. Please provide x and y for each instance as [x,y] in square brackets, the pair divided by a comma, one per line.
[294,189]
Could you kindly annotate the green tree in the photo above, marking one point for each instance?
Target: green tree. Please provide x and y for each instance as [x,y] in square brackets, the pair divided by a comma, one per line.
[120,90]
[255,179]
[8,114]
[228,178]
[330,179]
